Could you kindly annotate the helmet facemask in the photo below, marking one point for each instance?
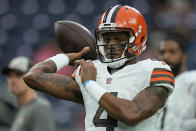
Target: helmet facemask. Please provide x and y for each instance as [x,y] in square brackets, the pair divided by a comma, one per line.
[115,55]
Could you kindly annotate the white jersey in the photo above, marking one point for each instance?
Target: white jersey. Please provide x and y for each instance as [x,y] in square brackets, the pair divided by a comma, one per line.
[125,83]
[181,104]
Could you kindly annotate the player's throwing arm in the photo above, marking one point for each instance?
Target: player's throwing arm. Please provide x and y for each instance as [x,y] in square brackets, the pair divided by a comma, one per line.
[42,77]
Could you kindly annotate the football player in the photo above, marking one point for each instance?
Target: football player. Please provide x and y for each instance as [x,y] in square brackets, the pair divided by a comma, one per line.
[118,92]
[181,110]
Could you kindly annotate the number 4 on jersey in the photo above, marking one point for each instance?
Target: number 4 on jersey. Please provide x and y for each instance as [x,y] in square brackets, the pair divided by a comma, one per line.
[109,123]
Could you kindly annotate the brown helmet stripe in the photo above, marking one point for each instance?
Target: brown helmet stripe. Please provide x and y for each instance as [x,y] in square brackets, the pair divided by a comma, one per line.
[106,14]
[115,14]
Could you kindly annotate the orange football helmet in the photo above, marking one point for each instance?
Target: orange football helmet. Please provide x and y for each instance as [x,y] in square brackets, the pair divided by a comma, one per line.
[122,19]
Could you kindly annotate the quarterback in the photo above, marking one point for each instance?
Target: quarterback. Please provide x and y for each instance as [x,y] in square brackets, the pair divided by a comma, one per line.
[118,92]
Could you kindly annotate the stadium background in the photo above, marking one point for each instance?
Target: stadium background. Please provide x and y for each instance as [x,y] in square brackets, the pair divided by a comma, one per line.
[26,28]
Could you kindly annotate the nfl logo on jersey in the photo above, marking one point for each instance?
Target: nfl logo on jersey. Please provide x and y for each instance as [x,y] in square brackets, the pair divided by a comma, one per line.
[109,80]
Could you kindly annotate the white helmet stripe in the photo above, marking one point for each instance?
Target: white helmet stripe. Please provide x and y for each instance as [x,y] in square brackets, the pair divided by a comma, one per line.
[105,15]
[111,13]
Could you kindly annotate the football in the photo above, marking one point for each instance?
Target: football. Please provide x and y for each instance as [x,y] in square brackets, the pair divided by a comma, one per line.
[72,37]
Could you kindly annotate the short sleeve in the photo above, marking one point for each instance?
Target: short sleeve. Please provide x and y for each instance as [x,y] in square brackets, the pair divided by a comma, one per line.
[162,76]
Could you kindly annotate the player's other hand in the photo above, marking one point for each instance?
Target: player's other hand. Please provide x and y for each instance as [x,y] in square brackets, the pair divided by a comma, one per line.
[87,70]
[76,56]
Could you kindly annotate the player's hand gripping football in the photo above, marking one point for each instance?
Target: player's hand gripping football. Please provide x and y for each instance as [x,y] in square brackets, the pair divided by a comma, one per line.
[87,70]
[76,56]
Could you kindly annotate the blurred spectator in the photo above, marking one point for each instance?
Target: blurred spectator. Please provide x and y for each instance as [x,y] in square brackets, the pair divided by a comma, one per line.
[35,113]
[8,108]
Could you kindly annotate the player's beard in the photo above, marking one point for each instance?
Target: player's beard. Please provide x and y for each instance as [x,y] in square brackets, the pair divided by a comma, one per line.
[175,67]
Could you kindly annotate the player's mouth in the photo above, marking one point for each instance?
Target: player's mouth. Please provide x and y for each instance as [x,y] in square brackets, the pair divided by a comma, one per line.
[112,55]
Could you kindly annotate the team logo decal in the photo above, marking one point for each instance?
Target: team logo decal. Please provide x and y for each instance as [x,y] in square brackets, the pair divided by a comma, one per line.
[109,80]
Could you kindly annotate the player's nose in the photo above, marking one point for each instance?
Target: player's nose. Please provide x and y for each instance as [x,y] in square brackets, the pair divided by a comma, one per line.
[113,45]
[166,56]
[112,42]
[167,59]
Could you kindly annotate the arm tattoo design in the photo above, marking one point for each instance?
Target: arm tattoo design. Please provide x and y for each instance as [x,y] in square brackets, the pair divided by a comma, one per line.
[160,92]
[47,67]
[150,100]
[46,75]
[43,77]
[54,80]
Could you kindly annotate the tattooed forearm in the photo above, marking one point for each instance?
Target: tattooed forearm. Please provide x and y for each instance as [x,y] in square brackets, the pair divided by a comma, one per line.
[158,93]
[139,104]
[42,77]
[150,100]
[54,80]
[47,67]
[44,74]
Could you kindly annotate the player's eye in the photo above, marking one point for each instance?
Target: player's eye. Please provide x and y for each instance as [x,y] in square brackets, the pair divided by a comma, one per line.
[172,52]
[119,40]
[162,52]
[121,45]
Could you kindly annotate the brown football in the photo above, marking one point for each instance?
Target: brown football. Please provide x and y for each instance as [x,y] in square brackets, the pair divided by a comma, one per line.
[72,37]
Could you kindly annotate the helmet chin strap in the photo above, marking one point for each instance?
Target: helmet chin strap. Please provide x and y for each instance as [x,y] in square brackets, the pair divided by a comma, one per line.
[117,64]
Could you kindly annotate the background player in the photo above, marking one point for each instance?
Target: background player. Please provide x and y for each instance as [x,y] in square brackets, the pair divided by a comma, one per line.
[181,111]
[138,89]
[35,113]
[173,52]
